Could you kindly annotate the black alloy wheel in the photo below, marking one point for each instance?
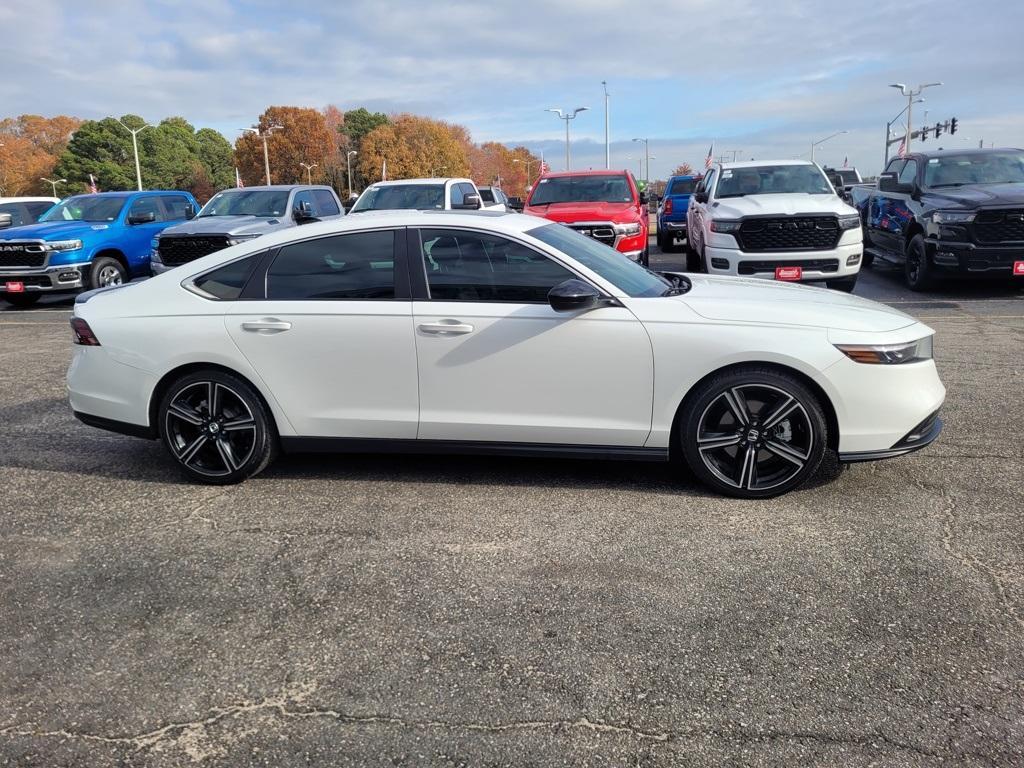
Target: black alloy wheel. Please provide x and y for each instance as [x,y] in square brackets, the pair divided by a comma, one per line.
[753,433]
[217,428]
[918,271]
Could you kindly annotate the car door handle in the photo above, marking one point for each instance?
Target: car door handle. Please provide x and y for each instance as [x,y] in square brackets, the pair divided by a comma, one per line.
[446,329]
[266,325]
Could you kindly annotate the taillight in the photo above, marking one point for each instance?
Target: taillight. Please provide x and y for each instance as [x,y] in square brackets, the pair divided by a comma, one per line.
[668,205]
[83,333]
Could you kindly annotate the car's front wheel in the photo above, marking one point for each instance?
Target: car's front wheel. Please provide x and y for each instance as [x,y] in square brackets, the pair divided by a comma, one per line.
[917,269]
[753,432]
[217,427]
[107,271]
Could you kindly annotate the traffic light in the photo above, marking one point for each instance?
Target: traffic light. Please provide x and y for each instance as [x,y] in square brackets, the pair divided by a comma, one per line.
[924,133]
[952,126]
[938,130]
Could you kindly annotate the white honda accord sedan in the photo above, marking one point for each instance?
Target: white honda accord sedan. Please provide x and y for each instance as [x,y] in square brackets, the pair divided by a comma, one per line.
[503,334]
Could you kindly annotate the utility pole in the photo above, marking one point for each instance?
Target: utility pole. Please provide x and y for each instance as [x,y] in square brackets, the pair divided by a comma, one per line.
[888,131]
[607,145]
[135,145]
[52,182]
[647,156]
[911,94]
[264,133]
[309,172]
[822,141]
[348,162]
[567,116]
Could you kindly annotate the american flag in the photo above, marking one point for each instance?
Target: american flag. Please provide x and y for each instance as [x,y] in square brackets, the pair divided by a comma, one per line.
[710,158]
[92,185]
[238,179]
[903,148]
[846,162]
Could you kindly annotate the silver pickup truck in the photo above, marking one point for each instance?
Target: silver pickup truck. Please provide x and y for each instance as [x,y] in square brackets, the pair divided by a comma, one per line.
[236,215]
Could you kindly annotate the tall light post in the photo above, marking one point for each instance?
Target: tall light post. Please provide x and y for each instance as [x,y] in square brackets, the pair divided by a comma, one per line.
[135,145]
[348,162]
[647,154]
[309,172]
[822,141]
[263,133]
[734,153]
[567,116]
[888,130]
[607,144]
[53,183]
[911,94]
[527,162]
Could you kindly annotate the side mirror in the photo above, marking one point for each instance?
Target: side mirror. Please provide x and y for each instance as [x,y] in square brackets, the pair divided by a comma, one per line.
[190,212]
[303,213]
[700,197]
[573,295]
[645,198]
[142,218]
[470,202]
[515,203]
[889,182]
[6,220]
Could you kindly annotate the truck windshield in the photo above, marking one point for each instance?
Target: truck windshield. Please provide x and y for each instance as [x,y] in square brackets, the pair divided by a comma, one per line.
[772,180]
[977,168]
[628,276]
[86,208]
[263,203]
[421,197]
[600,188]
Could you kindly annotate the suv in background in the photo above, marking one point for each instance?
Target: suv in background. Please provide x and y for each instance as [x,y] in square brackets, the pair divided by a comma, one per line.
[493,199]
[419,194]
[18,211]
[776,219]
[87,241]
[672,212]
[236,215]
[605,205]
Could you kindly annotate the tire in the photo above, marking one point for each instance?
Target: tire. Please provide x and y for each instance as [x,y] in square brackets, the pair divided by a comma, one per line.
[693,260]
[664,243]
[239,441]
[722,430]
[916,268]
[847,284]
[22,300]
[645,257]
[105,271]
[867,260]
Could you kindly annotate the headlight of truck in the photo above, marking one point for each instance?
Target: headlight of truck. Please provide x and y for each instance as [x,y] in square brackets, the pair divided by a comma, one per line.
[63,245]
[725,227]
[154,243]
[849,222]
[889,354]
[952,217]
[627,229]
[238,239]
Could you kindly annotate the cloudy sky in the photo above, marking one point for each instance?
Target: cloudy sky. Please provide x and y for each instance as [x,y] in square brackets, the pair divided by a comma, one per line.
[765,78]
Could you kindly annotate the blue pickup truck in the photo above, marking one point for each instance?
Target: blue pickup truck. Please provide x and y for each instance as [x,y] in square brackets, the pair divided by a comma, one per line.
[87,241]
[672,212]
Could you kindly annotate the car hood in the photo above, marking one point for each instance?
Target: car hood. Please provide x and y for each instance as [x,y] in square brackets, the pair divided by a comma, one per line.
[779,205]
[228,225]
[971,197]
[753,300]
[53,230]
[570,213]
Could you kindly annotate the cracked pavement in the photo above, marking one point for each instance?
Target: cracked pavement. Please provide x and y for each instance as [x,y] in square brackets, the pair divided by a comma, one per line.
[358,610]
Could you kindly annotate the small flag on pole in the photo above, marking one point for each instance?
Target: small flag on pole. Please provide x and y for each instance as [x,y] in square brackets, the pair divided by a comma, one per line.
[238,179]
[710,158]
[92,185]
[903,148]
[846,162]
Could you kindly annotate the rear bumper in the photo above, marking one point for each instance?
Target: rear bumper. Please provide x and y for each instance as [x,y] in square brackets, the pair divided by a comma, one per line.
[62,277]
[672,226]
[970,259]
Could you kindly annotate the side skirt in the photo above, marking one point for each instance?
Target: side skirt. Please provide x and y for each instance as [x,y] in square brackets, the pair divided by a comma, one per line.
[470,447]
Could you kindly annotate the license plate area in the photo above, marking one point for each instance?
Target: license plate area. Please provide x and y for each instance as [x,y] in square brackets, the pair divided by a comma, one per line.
[15,286]
[1018,269]
[789,274]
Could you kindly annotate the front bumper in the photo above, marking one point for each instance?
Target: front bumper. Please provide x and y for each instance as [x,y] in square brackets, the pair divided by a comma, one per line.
[842,261]
[52,279]
[924,434]
[969,259]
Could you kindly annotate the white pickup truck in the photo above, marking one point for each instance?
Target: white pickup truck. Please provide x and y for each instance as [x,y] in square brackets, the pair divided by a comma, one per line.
[778,219]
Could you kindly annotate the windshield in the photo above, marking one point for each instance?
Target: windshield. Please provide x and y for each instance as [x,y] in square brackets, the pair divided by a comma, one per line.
[628,276]
[422,197]
[264,203]
[682,187]
[772,180]
[86,208]
[602,188]
[978,168]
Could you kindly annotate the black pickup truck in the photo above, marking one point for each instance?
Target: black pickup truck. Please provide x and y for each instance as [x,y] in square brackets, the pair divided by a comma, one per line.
[958,213]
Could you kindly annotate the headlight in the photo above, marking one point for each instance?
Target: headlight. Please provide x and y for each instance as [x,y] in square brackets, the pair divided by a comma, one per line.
[952,217]
[154,243]
[726,227]
[238,239]
[849,222]
[889,354]
[63,245]
[627,229]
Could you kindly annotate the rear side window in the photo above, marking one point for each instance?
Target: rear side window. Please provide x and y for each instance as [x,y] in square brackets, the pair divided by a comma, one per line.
[37,209]
[176,206]
[325,203]
[360,265]
[486,195]
[228,281]
[909,172]
[19,214]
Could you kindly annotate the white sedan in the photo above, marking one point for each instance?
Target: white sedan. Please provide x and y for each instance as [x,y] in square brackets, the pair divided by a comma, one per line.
[496,334]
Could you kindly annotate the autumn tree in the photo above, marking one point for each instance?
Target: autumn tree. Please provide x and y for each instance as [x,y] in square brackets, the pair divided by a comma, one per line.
[512,169]
[31,146]
[414,147]
[683,170]
[303,138]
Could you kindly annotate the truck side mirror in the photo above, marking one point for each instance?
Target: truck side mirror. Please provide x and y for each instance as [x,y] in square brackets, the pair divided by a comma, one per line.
[190,211]
[142,218]
[645,198]
[515,203]
[889,182]
[700,196]
[303,213]
[470,202]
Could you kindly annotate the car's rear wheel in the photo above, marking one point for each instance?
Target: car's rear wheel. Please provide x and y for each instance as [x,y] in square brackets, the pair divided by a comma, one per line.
[107,271]
[217,428]
[917,270]
[22,299]
[753,433]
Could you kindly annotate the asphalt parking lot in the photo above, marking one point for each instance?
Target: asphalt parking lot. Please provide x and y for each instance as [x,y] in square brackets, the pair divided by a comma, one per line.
[446,611]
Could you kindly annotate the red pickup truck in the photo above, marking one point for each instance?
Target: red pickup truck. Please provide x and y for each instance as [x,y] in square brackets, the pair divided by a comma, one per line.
[605,205]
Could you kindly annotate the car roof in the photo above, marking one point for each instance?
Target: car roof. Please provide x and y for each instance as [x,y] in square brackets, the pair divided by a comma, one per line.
[967,151]
[760,163]
[591,172]
[276,187]
[399,182]
[132,192]
[29,200]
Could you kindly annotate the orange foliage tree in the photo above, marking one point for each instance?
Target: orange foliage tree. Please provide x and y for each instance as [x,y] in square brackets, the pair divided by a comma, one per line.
[415,147]
[31,147]
[304,138]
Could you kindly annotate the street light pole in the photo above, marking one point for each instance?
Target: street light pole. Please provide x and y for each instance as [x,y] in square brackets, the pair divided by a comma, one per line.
[607,145]
[822,141]
[647,155]
[309,172]
[888,130]
[567,116]
[135,145]
[348,161]
[911,94]
[53,183]
[263,133]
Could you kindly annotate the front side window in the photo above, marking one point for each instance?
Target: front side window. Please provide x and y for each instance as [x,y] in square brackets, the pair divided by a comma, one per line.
[457,195]
[227,282]
[263,203]
[772,180]
[709,182]
[360,265]
[176,206]
[909,172]
[304,199]
[894,165]
[592,188]
[390,197]
[86,208]
[326,205]
[144,206]
[472,266]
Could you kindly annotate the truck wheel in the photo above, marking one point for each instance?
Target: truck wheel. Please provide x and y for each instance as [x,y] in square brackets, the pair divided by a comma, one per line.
[106,271]
[692,259]
[846,284]
[867,260]
[645,257]
[917,270]
[22,299]
[664,243]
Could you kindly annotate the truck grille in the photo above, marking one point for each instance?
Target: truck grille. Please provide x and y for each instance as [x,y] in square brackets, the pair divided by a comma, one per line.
[181,249]
[603,233]
[768,267]
[21,254]
[1000,226]
[789,233]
